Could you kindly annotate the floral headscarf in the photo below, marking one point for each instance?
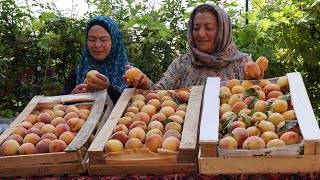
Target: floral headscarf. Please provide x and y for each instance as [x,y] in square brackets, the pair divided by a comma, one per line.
[113,66]
[225,49]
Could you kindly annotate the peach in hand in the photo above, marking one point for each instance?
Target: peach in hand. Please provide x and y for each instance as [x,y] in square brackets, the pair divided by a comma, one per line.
[91,74]
[252,70]
[132,74]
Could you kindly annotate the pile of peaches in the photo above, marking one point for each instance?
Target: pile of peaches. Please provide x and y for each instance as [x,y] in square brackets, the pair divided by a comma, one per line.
[257,116]
[152,120]
[46,130]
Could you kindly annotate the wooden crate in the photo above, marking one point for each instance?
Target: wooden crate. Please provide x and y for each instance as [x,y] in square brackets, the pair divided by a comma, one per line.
[184,161]
[72,160]
[211,161]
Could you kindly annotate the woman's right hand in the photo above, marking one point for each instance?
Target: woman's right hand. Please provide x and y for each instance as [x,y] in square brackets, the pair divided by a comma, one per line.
[140,82]
[81,88]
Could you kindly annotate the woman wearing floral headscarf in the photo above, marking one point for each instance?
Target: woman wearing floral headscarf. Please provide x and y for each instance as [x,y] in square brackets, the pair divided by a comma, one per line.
[104,52]
[211,53]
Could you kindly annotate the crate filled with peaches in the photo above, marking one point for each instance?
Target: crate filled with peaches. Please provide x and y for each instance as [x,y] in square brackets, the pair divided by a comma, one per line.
[258,126]
[52,134]
[149,132]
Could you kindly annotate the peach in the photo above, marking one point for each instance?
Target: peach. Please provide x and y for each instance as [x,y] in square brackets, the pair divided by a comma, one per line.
[271,87]
[57,146]
[132,74]
[171,143]
[62,127]
[140,124]
[150,96]
[58,113]
[36,113]
[169,103]
[173,125]
[167,111]
[156,103]
[9,148]
[252,69]
[258,116]
[133,143]
[138,97]
[16,137]
[245,111]
[130,114]
[75,124]
[289,115]
[127,121]
[268,136]
[261,95]
[265,126]
[72,108]
[113,145]
[182,107]
[45,118]
[165,98]
[237,89]
[59,107]
[234,99]
[142,116]
[20,131]
[57,120]
[162,93]
[290,138]
[31,138]
[275,143]
[154,131]
[47,128]
[177,119]
[248,100]
[31,118]
[25,124]
[84,111]
[121,127]
[262,63]
[154,142]
[137,132]
[264,82]
[155,125]
[172,132]
[236,124]
[271,100]
[228,142]
[279,106]
[224,98]
[183,96]
[50,136]
[67,137]
[260,106]
[238,106]
[254,142]
[159,117]
[83,116]
[34,130]
[224,89]
[233,82]
[275,118]
[181,113]
[274,94]
[91,74]
[227,115]
[246,84]
[43,146]
[283,83]
[71,115]
[149,109]
[253,131]
[138,103]
[133,109]
[256,87]
[240,134]
[27,148]
[39,125]
[48,111]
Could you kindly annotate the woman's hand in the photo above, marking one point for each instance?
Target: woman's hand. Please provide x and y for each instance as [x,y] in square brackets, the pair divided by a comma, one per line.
[141,82]
[98,82]
[81,88]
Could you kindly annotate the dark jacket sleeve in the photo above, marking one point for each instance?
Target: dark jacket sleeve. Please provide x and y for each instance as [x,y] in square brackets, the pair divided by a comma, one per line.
[71,82]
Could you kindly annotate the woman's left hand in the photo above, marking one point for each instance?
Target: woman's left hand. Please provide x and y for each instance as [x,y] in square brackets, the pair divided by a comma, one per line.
[98,82]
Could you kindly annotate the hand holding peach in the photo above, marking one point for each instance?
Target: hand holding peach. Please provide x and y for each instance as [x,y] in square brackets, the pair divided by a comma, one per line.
[134,76]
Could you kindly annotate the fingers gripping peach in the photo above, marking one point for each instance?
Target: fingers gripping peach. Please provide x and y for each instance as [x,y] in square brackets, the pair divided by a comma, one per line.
[91,74]
[133,73]
[252,70]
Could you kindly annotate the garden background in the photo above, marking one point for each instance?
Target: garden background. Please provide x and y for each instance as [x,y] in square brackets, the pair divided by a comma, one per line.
[39,47]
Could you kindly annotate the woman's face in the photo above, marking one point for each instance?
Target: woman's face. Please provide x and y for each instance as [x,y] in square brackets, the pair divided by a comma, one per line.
[99,42]
[205,29]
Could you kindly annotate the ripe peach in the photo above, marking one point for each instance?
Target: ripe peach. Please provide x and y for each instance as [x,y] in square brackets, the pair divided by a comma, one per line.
[256,87]
[84,111]
[83,116]
[237,89]
[181,113]
[252,69]
[25,124]
[137,132]
[138,97]
[233,82]
[70,115]
[165,98]
[271,87]
[228,142]
[121,127]
[58,113]
[142,116]
[48,111]
[91,74]
[162,93]
[182,107]
[47,128]
[9,148]
[31,118]
[268,136]
[183,96]
[50,136]
[262,63]
[260,106]
[265,126]
[31,138]
[167,111]
[155,125]
[177,119]
[72,108]
[127,121]
[246,84]
[224,108]
[172,132]
[274,94]
[132,74]
[290,138]
[57,120]
[283,83]
[234,99]
[62,127]
[245,111]
[45,118]
[159,117]
[75,124]
[248,99]
[254,142]
[240,134]
[133,109]
[156,103]
[173,125]
[253,131]
[59,107]
[275,118]
[133,143]
[140,124]
[258,116]
[226,115]
[20,131]
[154,142]
[138,103]
[149,109]
[67,137]
[238,106]
[261,95]
[236,124]
[224,97]
[113,145]
[289,115]
[264,82]
[57,146]
[150,96]
[34,130]
[275,143]
[43,146]
[279,106]
[154,131]
[171,143]
[16,137]
[224,89]
[36,113]
[39,125]
[169,103]
[27,148]
[130,114]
